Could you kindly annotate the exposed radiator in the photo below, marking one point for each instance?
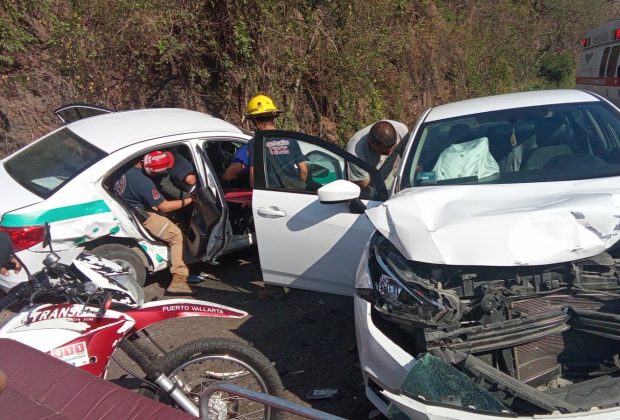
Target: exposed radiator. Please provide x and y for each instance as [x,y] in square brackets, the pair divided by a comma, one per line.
[569,352]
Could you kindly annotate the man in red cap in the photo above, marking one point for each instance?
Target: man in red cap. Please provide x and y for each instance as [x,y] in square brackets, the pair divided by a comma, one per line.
[138,190]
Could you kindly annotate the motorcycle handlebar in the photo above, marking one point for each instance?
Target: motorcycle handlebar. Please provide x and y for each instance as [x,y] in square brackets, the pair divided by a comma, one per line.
[39,283]
[16,294]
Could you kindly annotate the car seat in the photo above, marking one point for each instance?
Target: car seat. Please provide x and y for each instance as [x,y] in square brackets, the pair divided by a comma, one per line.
[459,133]
[554,136]
[499,140]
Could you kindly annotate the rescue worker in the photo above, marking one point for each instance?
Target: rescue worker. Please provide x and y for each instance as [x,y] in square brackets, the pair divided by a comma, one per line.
[376,145]
[138,190]
[179,181]
[183,172]
[286,162]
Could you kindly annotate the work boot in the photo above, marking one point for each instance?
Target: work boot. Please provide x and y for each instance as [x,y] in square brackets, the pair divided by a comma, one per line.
[179,286]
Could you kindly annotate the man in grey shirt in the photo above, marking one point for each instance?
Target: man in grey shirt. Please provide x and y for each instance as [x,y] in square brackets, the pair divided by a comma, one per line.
[376,144]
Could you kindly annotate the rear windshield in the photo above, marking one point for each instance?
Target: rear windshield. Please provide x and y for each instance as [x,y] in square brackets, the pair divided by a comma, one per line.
[523,145]
[52,161]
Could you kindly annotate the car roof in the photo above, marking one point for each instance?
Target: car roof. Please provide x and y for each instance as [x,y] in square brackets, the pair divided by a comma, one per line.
[509,101]
[111,132]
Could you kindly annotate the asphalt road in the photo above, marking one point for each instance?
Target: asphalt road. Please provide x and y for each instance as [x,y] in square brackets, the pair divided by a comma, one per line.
[309,336]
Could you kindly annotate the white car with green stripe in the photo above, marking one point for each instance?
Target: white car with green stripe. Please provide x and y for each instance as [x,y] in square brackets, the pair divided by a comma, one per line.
[65,179]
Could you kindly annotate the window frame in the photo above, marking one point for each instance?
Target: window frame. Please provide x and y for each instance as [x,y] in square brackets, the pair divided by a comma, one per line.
[45,195]
[260,171]
[415,151]
[603,66]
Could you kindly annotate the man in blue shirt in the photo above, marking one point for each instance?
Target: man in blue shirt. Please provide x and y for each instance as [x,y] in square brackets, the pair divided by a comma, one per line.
[239,165]
[138,190]
[286,166]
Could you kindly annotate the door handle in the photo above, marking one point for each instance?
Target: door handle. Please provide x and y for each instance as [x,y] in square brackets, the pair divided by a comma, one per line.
[271,212]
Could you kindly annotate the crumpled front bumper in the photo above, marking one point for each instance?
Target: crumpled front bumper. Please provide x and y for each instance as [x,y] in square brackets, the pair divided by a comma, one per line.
[385,366]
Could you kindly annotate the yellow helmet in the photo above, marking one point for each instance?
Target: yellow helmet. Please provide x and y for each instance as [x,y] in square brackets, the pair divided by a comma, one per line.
[261,106]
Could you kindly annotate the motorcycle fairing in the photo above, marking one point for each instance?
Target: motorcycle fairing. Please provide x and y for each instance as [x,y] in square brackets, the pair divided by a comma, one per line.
[74,333]
[153,312]
[99,346]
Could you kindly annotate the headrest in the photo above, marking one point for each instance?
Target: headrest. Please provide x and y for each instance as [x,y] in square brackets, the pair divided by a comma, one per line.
[553,131]
[459,133]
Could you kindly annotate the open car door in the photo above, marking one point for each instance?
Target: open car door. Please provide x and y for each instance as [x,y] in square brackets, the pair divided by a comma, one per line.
[69,113]
[206,235]
[301,242]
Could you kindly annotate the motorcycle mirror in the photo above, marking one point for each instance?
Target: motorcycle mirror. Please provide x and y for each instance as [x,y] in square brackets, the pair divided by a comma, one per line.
[51,259]
[90,288]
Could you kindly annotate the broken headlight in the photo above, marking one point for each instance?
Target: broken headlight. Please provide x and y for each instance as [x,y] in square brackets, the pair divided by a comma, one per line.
[399,292]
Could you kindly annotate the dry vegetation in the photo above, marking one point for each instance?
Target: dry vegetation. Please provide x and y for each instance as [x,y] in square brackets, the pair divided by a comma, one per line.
[335,65]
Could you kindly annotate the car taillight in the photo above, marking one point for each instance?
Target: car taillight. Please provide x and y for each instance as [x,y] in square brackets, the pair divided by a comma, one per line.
[24,237]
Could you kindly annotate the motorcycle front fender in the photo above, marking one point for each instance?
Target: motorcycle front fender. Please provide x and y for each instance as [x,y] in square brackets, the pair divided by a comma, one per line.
[154,312]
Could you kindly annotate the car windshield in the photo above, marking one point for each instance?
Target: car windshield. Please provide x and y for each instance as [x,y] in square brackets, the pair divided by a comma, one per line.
[523,145]
[48,164]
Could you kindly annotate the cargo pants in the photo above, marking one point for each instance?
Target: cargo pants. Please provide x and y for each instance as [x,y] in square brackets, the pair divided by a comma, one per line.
[162,228]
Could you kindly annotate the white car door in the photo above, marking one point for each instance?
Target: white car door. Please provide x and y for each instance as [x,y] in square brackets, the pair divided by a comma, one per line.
[301,242]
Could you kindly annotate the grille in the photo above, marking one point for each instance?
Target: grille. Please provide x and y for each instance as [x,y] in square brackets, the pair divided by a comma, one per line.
[581,301]
[566,352]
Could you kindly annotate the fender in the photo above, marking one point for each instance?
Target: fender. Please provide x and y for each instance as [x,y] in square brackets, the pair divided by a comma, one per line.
[154,312]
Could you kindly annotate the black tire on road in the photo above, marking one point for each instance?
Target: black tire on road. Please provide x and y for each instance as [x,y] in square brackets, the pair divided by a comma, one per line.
[220,359]
[125,257]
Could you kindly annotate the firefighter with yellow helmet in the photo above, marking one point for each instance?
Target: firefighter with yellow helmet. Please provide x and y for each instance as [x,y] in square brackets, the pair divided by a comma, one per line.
[261,106]
[285,163]
[289,169]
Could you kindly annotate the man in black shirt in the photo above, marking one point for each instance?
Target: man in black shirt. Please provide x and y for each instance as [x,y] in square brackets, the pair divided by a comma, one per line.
[139,191]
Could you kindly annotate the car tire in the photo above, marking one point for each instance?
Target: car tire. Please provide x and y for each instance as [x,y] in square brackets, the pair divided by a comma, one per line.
[125,257]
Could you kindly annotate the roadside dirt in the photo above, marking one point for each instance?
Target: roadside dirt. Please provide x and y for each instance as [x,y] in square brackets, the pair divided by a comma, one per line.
[309,336]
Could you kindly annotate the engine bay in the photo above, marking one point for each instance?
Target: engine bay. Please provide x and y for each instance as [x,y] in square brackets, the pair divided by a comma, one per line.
[538,339]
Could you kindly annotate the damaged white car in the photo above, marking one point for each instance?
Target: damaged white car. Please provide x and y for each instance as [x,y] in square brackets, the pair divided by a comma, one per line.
[488,283]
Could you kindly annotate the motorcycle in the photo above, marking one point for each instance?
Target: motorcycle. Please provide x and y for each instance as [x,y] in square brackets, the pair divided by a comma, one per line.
[98,308]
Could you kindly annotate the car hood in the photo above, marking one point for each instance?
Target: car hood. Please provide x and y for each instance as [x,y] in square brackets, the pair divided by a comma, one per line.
[502,225]
[14,196]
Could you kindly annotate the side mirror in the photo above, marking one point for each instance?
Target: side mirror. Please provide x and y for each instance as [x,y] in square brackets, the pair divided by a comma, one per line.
[339,191]
[51,259]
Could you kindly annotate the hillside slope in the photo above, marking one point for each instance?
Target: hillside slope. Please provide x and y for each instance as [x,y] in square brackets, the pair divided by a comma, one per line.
[334,65]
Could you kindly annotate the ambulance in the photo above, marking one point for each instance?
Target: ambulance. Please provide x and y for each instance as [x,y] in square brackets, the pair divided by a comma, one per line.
[598,70]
